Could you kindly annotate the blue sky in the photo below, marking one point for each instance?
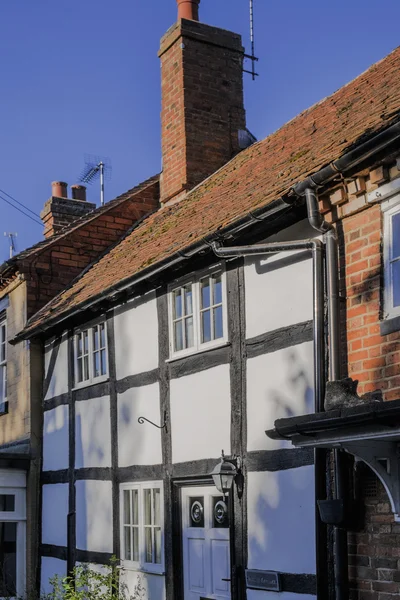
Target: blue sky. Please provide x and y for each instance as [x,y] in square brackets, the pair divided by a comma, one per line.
[82,76]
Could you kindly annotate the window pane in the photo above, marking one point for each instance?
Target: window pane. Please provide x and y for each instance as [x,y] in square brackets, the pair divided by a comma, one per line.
[102,335]
[205,293]
[396,282]
[95,338]
[2,384]
[127,543]
[157,545]
[80,373]
[188,300]
[177,304]
[396,235]
[103,362]
[86,368]
[8,559]
[178,333]
[205,326]
[135,507]
[148,544]
[156,507]
[96,364]
[217,299]
[79,345]
[127,508]
[189,332]
[7,502]
[135,539]
[85,342]
[218,326]
[147,506]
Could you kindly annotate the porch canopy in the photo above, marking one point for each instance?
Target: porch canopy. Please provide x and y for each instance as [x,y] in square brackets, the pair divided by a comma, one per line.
[370,432]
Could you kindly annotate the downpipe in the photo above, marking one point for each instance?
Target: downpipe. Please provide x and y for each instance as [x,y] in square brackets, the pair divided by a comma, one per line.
[316,249]
[316,221]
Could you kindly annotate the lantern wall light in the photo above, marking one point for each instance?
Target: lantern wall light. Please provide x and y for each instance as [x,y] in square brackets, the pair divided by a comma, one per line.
[225,473]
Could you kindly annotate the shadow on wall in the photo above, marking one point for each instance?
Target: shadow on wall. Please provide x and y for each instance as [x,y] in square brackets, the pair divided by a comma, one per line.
[281,520]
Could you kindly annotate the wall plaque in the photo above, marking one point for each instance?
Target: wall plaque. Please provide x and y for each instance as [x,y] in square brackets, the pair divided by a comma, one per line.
[263,580]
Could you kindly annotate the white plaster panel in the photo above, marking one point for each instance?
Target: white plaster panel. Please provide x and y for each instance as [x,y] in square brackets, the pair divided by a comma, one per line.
[153,585]
[278,292]
[261,595]
[50,568]
[55,439]
[201,414]
[94,523]
[139,444]
[281,520]
[279,384]
[136,337]
[54,514]
[59,378]
[93,433]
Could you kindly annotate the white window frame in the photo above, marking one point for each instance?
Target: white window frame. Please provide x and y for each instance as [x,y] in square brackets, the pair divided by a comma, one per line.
[142,565]
[194,279]
[92,380]
[3,365]
[389,208]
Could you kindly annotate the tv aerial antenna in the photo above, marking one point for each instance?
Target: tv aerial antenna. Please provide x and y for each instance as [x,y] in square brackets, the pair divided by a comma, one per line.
[11,238]
[96,167]
[252,56]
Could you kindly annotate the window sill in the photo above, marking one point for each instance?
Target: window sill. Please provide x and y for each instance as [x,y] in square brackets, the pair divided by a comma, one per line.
[86,384]
[390,325]
[197,351]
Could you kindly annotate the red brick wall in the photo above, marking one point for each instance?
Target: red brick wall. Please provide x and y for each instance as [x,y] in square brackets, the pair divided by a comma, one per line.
[372,358]
[202,103]
[374,552]
[49,272]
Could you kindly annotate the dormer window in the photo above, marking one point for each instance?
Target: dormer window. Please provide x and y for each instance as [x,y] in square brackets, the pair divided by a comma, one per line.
[198,313]
[3,365]
[90,354]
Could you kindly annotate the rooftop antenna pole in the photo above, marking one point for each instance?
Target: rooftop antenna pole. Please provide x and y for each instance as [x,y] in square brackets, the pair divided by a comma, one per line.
[11,236]
[253,72]
[96,167]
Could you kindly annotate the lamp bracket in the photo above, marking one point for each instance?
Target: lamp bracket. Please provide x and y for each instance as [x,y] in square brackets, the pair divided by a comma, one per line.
[141,421]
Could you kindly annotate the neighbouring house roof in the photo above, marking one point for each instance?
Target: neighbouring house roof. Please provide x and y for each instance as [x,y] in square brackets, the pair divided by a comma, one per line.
[12,263]
[254,178]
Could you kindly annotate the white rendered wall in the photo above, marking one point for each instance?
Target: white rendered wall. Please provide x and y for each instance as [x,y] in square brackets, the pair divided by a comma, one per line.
[59,380]
[281,520]
[55,439]
[50,568]
[139,444]
[278,295]
[279,384]
[153,585]
[94,524]
[201,414]
[93,433]
[54,514]
[136,337]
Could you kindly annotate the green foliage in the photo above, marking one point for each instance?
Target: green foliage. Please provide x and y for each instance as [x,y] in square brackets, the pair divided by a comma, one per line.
[86,583]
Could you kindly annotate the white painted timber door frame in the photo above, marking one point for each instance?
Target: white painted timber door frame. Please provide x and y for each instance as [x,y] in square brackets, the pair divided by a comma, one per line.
[206,551]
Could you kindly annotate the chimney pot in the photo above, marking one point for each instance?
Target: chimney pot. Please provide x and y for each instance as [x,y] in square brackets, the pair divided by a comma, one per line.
[188,9]
[78,192]
[59,189]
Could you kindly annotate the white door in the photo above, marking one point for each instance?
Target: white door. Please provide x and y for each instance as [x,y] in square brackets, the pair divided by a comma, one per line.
[205,536]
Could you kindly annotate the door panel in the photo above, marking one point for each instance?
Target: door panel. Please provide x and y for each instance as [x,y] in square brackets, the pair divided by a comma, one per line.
[205,537]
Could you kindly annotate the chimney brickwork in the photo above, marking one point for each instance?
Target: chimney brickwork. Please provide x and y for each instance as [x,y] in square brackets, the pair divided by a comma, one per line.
[60,211]
[202,103]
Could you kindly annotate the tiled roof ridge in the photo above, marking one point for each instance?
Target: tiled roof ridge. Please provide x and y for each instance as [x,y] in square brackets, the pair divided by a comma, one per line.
[82,220]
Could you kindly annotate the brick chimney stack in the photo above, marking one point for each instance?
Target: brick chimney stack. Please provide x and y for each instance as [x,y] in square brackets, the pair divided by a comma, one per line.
[59,211]
[202,100]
